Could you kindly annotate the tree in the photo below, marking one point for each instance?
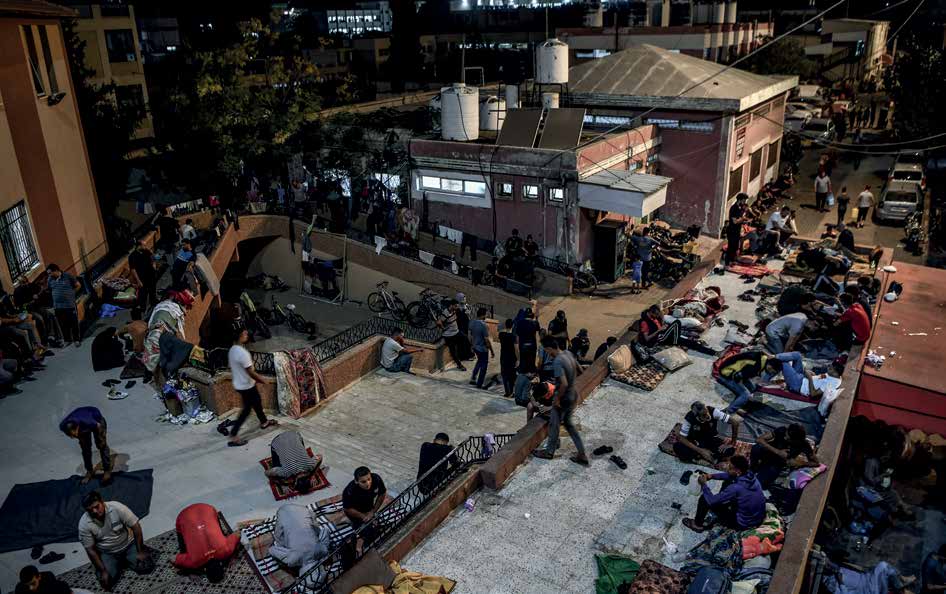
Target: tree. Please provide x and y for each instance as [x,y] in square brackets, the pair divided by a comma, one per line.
[237,109]
[109,129]
[783,57]
[915,83]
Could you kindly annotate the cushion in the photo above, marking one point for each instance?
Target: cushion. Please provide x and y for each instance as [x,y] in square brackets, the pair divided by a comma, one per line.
[672,358]
[621,359]
[371,570]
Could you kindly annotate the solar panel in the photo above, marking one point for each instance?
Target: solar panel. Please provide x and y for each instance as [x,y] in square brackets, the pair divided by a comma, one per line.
[520,128]
[562,128]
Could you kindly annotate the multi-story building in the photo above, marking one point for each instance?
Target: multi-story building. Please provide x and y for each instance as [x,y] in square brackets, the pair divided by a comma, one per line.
[363,17]
[113,51]
[49,212]
[850,48]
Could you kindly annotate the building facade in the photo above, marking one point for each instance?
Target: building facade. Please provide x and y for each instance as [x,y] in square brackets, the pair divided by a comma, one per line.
[49,212]
[363,17]
[850,49]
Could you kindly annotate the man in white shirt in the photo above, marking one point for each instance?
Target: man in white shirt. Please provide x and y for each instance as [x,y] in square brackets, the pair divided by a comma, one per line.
[779,227]
[187,230]
[822,189]
[245,378]
[864,201]
[395,356]
[111,535]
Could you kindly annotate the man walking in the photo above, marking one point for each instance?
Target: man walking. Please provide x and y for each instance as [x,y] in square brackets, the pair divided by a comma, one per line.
[62,289]
[843,201]
[87,424]
[451,333]
[864,201]
[564,403]
[245,377]
[482,347]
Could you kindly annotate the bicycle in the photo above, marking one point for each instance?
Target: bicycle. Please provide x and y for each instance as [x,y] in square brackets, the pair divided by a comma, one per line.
[424,312]
[295,321]
[252,319]
[382,301]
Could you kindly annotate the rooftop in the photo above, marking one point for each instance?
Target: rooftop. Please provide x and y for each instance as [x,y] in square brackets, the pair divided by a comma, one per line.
[649,76]
[34,8]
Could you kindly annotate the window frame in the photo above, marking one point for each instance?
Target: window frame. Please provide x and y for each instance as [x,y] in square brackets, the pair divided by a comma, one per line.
[755,163]
[500,193]
[444,181]
[468,182]
[773,154]
[112,52]
[32,57]
[555,201]
[733,191]
[48,59]
[526,197]
[17,216]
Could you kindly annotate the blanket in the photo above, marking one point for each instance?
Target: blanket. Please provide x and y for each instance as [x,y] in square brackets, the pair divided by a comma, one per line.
[48,512]
[654,578]
[762,418]
[411,582]
[284,490]
[766,538]
[173,353]
[300,383]
[722,547]
[613,571]
[666,446]
[645,376]
[753,270]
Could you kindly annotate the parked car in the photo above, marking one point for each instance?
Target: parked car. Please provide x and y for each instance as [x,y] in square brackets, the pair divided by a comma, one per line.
[819,130]
[804,108]
[796,121]
[909,170]
[898,200]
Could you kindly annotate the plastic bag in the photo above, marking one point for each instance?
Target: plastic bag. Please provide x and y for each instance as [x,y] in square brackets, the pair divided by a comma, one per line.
[830,199]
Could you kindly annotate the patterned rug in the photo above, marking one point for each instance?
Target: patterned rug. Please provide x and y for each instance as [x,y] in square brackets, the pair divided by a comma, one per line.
[286,489]
[241,576]
[666,446]
[645,376]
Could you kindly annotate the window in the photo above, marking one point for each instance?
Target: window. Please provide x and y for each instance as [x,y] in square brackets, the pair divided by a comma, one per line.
[451,185]
[130,99]
[16,238]
[34,61]
[704,127]
[556,195]
[773,154]
[48,57]
[504,191]
[121,45]
[430,183]
[735,181]
[530,193]
[743,121]
[779,102]
[762,111]
[740,143]
[755,164]
[672,124]
[474,187]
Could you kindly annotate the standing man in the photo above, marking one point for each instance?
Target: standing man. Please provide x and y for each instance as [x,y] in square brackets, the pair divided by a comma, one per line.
[527,335]
[508,356]
[111,535]
[843,201]
[395,356]
[864,201]
[482,347]
[87,424]
[558,329]
[822,189]
[361,500]
[737,216]
[644,244]
[451,333]
[563,403]
[245,378]
[62,289]
[141,262]
[168,230]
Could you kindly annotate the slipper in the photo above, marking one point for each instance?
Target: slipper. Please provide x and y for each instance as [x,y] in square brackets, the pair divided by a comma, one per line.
[222,428]
[691,524]
[685,477]
[130,384]
[619,462]
[51,557]
[269,423]
[36,552]
[237,443]
[117,395]
[543,454]
[602,450]
[579,460]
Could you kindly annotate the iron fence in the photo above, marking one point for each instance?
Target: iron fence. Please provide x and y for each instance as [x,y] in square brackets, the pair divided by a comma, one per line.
[393,516]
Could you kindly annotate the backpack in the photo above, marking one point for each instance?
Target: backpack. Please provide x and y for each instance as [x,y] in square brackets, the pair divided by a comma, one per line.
[710,580]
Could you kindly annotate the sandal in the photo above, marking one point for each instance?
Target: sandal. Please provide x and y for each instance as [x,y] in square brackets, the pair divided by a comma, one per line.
[619,462]
[543,454]
[581,460]
[691,524]
[602,450]
[237,443]
[269,423]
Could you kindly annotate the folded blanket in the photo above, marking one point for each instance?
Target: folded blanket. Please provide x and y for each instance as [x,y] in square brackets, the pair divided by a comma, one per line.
[766,538]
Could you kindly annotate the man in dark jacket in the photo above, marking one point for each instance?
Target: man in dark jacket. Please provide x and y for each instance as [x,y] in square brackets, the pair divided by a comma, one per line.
[739,505]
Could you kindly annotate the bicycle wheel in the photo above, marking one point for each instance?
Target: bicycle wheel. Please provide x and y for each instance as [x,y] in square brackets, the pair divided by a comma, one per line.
[400,310]
[298,323]
[585,282]
[376,302]
[418,315]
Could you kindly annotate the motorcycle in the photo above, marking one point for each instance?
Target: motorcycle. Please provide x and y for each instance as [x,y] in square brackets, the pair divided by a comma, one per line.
[913,234]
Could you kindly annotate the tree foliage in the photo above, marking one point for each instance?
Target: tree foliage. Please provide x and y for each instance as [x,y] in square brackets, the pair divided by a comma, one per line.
[786,57]
[915,83]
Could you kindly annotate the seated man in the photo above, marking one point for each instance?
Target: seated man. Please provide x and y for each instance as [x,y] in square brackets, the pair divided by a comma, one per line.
[541,396]
[580,344]
[739,505]
[882,579]
[604,346]
[202,542]
[291,461]
[778,449]
[781,334]
[34,581]
[299,542]
[821,260]
[431,453]
[112,538]
[845,240]
[698,437]
[653,332]
[877,476]
[793,299]
[361,500]
[779,227]
[852,326]
[934,572]
[395,357]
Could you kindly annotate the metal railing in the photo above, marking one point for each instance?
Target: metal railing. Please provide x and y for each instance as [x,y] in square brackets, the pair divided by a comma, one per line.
[395,515]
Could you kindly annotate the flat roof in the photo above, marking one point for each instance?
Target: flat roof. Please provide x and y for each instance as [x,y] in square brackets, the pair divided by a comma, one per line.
[34,8]
[914,327]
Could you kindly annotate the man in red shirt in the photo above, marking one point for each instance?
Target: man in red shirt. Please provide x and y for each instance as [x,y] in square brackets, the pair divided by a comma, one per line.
[853,321]
[202,542]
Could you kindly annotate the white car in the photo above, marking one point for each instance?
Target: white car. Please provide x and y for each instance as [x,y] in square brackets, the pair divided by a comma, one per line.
[796,121]
[801,108]
[908,172]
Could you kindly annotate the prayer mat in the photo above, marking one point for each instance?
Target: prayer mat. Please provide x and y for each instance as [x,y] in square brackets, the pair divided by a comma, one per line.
[753,270]
[240,577]
[284,489]
[666,446]
[48,512]
[645,376]
[654,578]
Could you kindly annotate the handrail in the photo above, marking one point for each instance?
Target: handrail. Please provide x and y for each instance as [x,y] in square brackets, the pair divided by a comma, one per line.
[393,516]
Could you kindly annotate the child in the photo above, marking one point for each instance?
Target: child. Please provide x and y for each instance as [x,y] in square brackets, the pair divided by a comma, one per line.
[636,266]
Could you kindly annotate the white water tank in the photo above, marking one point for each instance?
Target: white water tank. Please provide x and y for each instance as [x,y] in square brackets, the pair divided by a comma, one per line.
[731,11]
[552,63]
[550,100]
[720,13]
[459,112]
[492,113]
[512,96]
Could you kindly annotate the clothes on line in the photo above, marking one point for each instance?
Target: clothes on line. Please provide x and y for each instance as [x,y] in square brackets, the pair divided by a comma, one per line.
[379,243]
[452,234]
[426,257]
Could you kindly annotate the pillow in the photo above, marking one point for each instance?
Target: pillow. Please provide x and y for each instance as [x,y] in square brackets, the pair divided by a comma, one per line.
[672,358]
[620,360]
[797,479]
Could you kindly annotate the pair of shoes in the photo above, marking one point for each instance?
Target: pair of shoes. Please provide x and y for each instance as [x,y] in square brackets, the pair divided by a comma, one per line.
[114,394]
[36,552]
[619,462]
[583,461]
[236,444]
[111,382]
[602,450]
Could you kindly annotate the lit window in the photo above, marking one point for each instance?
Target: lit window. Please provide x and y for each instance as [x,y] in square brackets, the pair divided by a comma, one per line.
[430,183]
[530,192]
[504,190]
[451,185]
[704,127]
[663,123]
[557,195]
[474,187]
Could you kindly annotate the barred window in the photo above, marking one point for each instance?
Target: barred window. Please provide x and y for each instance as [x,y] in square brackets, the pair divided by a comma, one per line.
[16,237]
[743,121]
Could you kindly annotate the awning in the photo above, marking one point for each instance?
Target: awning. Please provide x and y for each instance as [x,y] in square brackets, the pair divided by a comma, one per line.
[624,192]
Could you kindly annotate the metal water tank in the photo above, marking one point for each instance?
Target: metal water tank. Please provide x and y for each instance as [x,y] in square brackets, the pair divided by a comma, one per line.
[550,100]
[552,63]
[492,113]
[459,112]
[512,96]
